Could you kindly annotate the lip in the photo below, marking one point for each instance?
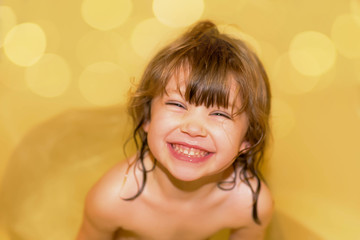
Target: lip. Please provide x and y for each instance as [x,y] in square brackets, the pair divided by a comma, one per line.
[187,158]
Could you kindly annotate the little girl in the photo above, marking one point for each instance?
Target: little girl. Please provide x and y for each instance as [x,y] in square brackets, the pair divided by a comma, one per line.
[201,115]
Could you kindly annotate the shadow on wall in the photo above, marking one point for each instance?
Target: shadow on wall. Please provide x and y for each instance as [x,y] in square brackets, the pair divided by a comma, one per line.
[51,170]
[55,165]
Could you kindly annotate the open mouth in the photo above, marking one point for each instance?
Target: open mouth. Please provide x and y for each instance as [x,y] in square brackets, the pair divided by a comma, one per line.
[189,151]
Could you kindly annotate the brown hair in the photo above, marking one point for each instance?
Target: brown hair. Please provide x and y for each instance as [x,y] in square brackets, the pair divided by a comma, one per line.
[210,59]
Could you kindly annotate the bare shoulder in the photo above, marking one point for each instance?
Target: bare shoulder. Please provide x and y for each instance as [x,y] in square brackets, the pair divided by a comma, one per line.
[243,213]
[104,202]
[265,205]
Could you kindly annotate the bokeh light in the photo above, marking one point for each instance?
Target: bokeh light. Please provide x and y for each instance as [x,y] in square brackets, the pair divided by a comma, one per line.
[57,82]
[283,118]
[49,77]
[345,33]
[99,46]
[148,36]
[312,53]
[106,14]
[104,83]
[288,80]
[7,22]
[25,44]
[53,36]
[178,13]
[237,33]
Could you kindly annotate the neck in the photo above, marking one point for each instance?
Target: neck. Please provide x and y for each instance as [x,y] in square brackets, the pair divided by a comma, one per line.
[174,189]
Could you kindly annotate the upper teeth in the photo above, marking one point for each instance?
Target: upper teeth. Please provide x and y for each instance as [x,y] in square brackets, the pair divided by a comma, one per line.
[191,152]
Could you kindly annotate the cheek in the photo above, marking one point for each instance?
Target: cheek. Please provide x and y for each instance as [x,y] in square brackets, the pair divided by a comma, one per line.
[235,138]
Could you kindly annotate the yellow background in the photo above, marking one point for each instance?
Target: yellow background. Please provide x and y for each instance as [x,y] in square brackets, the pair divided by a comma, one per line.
[65,70]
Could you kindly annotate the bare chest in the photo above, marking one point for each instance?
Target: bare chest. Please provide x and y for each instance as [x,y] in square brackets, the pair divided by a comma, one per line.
[183,223]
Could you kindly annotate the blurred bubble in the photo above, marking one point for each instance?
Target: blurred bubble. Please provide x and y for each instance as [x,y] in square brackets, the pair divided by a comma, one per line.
[49,77]
[99,46]
[236,33]
[53,36]
[7,22]
[345,33]
[312,53]
[106,14]
[178,13]
[104,83]
[25,44]
[283,118]
[148,35]
[287,79]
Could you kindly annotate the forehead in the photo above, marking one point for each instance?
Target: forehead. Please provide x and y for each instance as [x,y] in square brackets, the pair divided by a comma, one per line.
[180,84]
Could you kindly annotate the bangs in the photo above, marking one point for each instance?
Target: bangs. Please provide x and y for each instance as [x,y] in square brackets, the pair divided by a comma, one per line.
[205,88]
[208,73]
[208,63]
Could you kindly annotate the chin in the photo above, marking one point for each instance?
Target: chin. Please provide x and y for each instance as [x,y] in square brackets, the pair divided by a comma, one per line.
[185,175]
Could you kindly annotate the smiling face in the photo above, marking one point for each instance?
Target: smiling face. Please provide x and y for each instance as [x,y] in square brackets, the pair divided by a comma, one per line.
[194,141]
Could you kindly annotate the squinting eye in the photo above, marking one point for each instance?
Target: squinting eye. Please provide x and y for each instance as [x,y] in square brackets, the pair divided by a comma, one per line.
[220,114]
[176,104]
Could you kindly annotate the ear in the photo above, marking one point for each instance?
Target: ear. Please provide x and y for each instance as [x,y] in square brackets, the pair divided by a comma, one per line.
[146,125]
[244,145]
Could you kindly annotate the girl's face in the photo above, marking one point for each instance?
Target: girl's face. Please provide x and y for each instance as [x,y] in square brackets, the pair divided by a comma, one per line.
[191,141]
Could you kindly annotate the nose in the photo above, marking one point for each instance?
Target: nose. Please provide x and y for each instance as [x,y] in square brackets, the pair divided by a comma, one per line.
[193,126]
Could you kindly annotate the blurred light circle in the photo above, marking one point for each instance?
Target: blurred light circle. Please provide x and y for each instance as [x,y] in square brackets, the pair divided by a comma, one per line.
[236,33]
[178,13]
[7,22]
[288,80]
[148,35]
[283,118]
[99,46]
[312,53]
[53,36]
[105,14]
[49,77]
[345,33]
[104,83]
[25,44]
